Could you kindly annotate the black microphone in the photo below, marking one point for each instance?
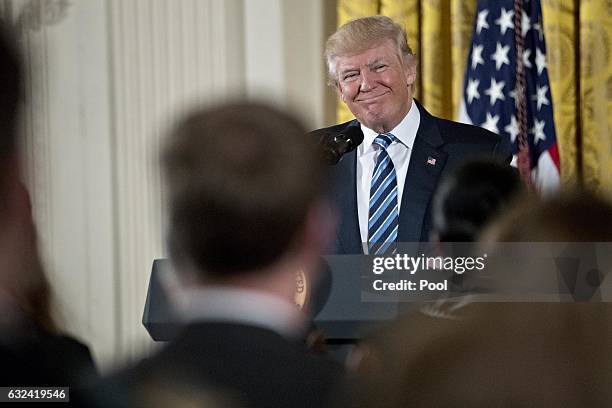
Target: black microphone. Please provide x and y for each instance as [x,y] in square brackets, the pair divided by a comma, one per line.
[336,144]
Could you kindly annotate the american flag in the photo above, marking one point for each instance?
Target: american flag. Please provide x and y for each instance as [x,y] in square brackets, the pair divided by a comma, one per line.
[492,86]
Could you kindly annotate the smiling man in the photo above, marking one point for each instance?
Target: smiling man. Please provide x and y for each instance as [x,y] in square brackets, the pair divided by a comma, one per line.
[383,189]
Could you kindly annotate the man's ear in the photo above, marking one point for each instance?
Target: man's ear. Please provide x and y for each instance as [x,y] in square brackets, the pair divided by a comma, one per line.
[339,92]
[410,74]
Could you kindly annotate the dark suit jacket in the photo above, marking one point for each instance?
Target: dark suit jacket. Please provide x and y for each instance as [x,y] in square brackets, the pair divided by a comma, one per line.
[447,143]
[46,359]
[257,366]
[43,359]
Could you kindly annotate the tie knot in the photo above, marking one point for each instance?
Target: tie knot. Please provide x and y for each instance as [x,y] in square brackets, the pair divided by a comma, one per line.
[384,140]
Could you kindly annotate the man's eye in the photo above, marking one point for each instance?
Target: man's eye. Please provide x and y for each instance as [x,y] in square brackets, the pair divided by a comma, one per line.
[380,67]
[350,77]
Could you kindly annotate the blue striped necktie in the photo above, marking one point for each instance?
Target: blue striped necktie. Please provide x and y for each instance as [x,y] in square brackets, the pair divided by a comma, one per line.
[383,220]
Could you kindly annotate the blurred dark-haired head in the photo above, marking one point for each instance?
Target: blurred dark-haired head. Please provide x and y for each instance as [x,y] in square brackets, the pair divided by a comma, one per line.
[468,198]
[10,88]
[572,215]
[241,178]
[25,295]
[492,355]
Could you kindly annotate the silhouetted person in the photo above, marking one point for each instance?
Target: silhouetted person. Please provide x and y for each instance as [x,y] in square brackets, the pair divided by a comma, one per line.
[468,198]
[33,351]
[245,214]
[505,354]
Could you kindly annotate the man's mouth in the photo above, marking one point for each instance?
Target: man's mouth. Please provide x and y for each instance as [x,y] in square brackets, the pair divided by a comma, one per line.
[370,98]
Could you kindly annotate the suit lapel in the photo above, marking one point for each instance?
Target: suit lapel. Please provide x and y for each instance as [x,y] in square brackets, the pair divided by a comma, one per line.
[426,164]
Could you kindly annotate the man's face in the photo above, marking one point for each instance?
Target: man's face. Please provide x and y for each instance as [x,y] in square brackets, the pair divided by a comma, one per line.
[376,86]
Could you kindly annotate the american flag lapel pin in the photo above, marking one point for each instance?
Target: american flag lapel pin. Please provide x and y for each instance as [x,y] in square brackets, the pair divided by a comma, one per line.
[431,161]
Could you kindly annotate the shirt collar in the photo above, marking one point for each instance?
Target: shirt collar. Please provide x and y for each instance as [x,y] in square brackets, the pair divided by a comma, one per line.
[241,306]
[405,132]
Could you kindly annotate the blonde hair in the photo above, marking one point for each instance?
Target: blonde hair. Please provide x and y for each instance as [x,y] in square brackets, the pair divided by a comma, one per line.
[364,33]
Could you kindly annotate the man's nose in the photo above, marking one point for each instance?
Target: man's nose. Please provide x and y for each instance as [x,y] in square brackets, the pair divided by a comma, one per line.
[366,81]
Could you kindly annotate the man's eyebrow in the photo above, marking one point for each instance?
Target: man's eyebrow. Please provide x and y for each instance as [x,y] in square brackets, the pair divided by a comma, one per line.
[344,70]
[376,61]
[349,68]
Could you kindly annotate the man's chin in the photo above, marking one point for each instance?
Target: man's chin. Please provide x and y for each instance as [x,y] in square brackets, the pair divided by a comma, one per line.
[373,121]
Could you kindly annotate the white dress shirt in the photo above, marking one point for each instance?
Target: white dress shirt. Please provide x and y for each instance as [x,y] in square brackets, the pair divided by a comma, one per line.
[367,154]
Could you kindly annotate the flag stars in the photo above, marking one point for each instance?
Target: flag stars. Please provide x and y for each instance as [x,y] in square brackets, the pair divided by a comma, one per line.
[540,96]
[505,20]
[540,61]
[526,55]
[501,56]
[495,91]
[512,128]
[477,56]
[525,23]
[538,28]
[472,90]
[538,131]
[482,21]
[490,123]
[513,94]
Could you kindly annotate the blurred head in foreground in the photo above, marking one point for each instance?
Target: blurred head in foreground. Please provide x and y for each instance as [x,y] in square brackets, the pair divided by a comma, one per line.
[245,204]
[24,289]
[470,197]
[32,351]
[246,213]
[514,354]
[494,354]
[558,246]
[10,89]
[574,215]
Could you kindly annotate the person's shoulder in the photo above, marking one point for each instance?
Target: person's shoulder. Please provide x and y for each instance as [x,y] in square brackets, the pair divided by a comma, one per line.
[121,387]
[464,133]
[459,136]
[66,341]
[457,132]
[64,344]
[226,349]
[216,355]
[48,359]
